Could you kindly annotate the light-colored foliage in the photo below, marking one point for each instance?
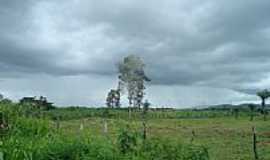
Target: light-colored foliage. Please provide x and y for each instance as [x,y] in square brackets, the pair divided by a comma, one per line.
[132,77]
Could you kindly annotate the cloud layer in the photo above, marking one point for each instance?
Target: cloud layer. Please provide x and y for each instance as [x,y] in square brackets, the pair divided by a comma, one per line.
[190,48]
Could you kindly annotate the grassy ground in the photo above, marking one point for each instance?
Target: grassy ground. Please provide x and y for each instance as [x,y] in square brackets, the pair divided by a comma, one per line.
[226,138]
[35,134]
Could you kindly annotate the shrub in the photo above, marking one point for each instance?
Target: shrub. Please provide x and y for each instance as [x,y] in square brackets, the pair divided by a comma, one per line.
[166,149]
[127,140]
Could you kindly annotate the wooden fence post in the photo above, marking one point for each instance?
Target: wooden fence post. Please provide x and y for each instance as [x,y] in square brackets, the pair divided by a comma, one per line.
[144,130]
[58,123]
[256,157]
[81,125]
[105,126]
[192,136]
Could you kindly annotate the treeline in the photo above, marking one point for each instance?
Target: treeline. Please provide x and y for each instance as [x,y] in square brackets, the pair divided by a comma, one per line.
[78,113]
[70,113]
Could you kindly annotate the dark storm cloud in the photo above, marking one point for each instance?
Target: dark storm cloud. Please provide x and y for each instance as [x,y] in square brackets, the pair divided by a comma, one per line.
[28,48]
[220,44]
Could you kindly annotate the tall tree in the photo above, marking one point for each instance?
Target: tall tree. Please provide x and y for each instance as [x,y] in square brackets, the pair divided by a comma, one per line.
[132,76]
[1,97]
[264,95]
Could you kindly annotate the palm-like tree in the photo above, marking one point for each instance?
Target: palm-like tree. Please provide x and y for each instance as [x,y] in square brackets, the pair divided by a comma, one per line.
[264,95]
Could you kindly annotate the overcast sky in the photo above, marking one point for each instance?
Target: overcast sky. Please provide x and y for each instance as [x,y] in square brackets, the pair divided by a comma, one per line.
[197,52]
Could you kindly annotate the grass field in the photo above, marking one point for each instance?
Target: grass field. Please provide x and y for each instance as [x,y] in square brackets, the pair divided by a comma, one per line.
[226,138]
[78,133]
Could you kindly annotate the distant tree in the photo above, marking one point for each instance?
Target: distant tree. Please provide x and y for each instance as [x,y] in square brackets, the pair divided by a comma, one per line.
[3,123]
[252,108]
[132,77]
[113,99]
[1,97]
[109,100]
[264,95]
[6,101]
[236,113]
[36,103]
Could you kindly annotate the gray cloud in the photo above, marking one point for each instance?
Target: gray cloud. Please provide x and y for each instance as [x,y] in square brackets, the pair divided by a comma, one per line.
[219,45]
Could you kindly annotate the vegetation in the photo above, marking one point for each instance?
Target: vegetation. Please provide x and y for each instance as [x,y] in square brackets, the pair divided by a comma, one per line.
[27,135]
[113,99]
[39,103]
[181,134]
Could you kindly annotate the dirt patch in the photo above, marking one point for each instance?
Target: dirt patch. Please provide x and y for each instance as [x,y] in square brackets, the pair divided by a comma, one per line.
[264,143]
[265,134]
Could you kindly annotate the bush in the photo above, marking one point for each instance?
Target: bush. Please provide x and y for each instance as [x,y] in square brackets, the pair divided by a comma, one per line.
[127,141]
[166,149]
[56,148]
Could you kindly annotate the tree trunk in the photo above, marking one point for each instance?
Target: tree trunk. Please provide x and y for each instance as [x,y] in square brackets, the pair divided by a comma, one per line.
[263,103]
[263,109]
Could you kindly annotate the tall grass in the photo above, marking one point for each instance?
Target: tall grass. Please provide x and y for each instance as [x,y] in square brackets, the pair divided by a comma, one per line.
[30,136]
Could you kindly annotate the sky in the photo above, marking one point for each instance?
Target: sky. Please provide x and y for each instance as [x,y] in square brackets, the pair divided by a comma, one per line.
[196,52]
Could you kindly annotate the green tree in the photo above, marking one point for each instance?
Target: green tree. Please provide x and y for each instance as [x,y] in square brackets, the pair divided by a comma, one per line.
[113,99]
[264,95]
[236,113]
